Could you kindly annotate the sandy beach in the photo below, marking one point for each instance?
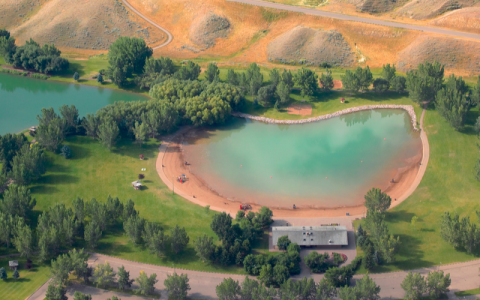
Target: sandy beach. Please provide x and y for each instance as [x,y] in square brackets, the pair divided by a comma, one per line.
[171,164]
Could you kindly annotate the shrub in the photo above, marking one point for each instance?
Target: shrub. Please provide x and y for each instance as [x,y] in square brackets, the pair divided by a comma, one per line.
[65,152]
[39,76]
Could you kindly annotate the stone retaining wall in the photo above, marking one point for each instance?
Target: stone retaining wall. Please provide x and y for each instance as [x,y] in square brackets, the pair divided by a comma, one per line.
[408,108]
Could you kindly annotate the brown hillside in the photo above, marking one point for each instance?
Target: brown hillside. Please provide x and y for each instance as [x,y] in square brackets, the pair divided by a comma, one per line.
[427,9]
[207,28]
[86,24]
[465,19]
[459,56]
[14,12]
[376,6]
[312,47]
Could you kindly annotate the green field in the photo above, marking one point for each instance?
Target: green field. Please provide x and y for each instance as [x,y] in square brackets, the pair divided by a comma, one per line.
[448,185]
[27,284]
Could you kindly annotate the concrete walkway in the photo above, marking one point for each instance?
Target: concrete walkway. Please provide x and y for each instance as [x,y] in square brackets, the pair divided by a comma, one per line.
[326,14]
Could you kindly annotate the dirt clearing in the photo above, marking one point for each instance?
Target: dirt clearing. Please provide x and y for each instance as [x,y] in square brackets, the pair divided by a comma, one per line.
[299,109]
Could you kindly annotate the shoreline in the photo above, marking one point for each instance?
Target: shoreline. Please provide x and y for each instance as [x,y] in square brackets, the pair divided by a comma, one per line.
[170,163]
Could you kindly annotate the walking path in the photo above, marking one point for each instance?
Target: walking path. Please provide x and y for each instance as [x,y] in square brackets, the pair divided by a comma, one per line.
[321,13]
[464,277]
[169,35]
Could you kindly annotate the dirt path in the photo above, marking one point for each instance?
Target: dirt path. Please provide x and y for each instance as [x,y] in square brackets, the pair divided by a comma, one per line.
[316,12]
[169,35]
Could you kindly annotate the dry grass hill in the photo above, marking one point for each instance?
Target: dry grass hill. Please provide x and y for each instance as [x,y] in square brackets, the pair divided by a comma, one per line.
[427,9]
[85,24]
[234,33]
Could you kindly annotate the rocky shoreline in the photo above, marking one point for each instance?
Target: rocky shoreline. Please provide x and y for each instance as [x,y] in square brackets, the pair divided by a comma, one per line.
[408,108]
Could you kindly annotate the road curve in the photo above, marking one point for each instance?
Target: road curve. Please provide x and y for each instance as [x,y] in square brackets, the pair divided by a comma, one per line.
[169,35]
[326,14]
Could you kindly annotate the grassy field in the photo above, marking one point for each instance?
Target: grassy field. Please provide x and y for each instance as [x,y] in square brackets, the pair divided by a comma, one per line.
[27,284]
[95,172]
[448,185]
[468,293]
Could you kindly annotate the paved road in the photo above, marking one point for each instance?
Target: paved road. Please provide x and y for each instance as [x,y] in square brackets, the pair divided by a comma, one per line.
[169,35]
[321,13]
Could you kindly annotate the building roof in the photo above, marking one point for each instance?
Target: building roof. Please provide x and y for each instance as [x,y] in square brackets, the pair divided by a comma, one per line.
[312,235]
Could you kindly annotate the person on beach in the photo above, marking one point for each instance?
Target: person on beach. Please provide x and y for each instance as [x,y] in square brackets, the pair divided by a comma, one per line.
[294,206]
[186,163]
[393,181]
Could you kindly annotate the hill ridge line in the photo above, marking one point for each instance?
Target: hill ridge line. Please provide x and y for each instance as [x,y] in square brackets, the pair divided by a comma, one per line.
[326,14]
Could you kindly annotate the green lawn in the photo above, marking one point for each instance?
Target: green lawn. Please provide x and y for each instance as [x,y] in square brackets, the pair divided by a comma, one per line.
[468,293]
[448,185]
[27,284]
[95,172]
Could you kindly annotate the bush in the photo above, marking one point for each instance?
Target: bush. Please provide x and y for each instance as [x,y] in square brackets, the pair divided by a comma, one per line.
[65,152]
[13,72]
[39,76]
[337,258]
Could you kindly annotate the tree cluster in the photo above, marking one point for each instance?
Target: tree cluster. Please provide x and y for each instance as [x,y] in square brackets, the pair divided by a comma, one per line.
[342,276]
[360,79]
[435,284]
[199,103]
[31,56]
[460,233]
[155,71]
[53,129]
[236,239]
[378,245]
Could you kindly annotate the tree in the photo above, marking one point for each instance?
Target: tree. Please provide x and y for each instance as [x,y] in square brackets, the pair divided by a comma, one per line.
[80,296]
[28,165]
[307,80]
[266,95]
[228,289]
[61,267]
[221,225]
[151,119]
[124,280]
[93,233]
[287,78]
[190,71]
[414,286]
[264,217]
[15,274]
[283,92]
[381,85]
[316,262]
[325,290]
[232,77]
[140,133]
[108,133]
[398,84]
[375,200]
[17,201]
[90,123]
[177,286]
[179,239]
[76,77]
[10,146]
[155,238]
[326,80]
[133,227]
[23,239]
[146,284]
[280,274]
[211,72]
[79,265]
[70,118]
[424,83]
[366,289]
[452,102]
[3,274]
[368,257]
[275,77]
[388,73]
[204,247]
[283,242]
[99,78]
[475,96]
[104,275]
[65,152]
[364,76]
[51,136]
[438,283]
[7,227]
[350,82]
[127,55]
[56,292]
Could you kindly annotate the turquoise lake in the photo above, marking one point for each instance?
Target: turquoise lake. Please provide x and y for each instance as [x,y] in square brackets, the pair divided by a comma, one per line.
[331,163]
[22,98]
